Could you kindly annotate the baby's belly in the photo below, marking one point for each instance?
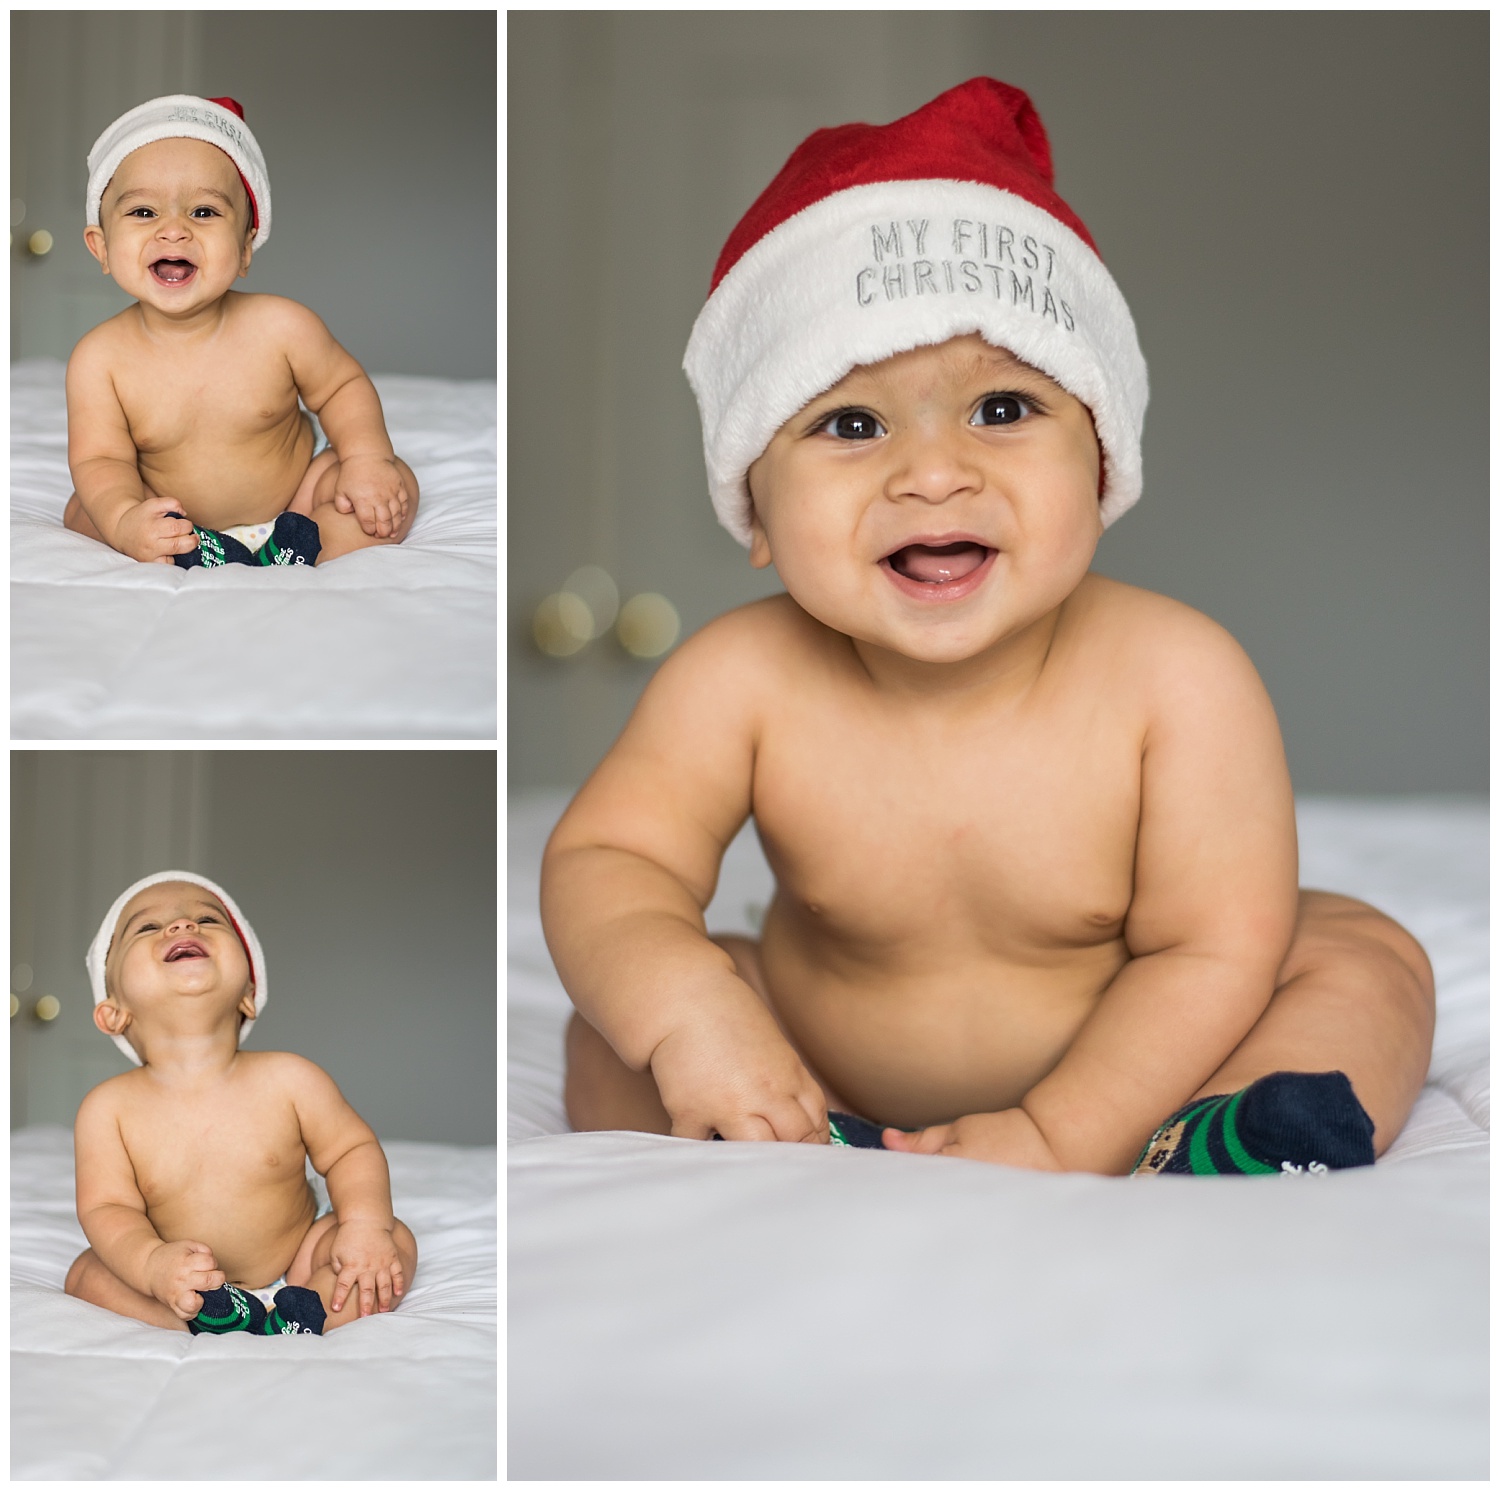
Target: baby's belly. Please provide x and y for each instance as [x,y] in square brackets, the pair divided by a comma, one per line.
[230,485]
[942,1036]
[253,1234]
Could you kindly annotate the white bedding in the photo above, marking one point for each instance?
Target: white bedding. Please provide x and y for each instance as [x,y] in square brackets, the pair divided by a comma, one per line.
[406,1396]
[395,643]
[729,1311]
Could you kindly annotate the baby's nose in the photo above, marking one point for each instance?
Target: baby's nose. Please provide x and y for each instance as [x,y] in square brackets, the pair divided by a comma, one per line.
[181,924]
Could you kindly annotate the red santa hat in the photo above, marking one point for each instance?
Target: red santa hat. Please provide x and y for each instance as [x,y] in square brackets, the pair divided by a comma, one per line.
[874,239]
[184,116]
[98,952]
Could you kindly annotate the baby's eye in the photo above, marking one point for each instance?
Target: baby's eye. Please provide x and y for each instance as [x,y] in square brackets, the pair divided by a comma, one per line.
[140,212]
[148,927]
[1002,409]
[852,424]
[204,211]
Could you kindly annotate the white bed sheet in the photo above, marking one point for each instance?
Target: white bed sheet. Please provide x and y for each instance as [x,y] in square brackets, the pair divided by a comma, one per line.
[395,643]
[682,1310]
[406,1396]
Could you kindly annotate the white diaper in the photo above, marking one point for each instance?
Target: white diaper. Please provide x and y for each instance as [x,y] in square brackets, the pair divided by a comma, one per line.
[252,535]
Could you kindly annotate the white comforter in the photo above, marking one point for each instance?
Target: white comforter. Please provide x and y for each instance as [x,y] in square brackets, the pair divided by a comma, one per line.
[682,1310]
[395,643]
[406,1396]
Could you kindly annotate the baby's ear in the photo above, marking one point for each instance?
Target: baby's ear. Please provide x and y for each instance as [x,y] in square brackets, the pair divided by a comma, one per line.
[247,1002]
[760,545]
[93,236]
[110,1018]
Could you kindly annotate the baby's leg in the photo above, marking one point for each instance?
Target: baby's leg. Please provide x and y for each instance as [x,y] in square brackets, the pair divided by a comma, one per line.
[89,1279]
[1330,1071]
[340,533]
[1354,995]
[601,1092]
[313,1269]
[78,520]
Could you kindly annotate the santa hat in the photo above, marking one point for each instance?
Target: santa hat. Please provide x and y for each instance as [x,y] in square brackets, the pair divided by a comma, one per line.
[874,239]
[183,116]
[99,947]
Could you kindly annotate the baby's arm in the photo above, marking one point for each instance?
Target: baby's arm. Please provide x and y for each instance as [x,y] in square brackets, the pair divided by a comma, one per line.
[334,386]
[112,1213]
[345,1151]
[625,880]
[1209,923]
[103,460]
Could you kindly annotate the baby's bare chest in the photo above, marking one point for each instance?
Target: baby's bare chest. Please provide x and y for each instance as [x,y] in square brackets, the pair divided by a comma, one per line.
[183,1151]
[175,405]
[1012,836]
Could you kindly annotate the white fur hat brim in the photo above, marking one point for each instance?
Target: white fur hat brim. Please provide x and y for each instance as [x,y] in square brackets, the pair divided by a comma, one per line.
[99,947]
[877,269]
[182,116]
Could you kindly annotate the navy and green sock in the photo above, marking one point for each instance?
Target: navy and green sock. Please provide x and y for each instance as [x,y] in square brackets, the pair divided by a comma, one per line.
[295,1312]
[1285,1123]
[293,540]
[856,1133]
[227,1309]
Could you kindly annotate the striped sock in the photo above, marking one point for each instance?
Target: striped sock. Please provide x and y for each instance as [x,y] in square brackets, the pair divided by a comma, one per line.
[856,1133]
[298,1312]
[1285,1123]
[227,1309]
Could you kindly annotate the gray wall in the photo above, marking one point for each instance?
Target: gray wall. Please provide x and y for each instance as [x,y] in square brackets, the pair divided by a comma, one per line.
[369,877]
[378,129]
[1295,207]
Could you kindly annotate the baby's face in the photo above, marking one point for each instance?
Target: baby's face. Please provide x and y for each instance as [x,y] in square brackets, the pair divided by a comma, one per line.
[174,941]
[932,504]
[174,225]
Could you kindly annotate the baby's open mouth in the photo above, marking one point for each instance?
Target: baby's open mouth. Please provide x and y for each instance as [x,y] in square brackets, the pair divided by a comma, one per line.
[938,564]
[174,271]
[186,948]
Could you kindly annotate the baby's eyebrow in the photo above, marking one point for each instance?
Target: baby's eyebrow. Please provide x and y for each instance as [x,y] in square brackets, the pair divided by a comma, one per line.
[197,191]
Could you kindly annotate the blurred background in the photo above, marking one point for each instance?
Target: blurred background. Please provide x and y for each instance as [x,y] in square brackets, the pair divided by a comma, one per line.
[369,877]
[1295,206]
[378,129]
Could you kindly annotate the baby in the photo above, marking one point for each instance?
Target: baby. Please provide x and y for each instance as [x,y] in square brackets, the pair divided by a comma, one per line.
[1032,830]
[186,441]
[192,1185]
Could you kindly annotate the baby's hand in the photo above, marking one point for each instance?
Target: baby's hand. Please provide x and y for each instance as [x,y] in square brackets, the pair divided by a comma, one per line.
[734,1074]
[1006,1138]
[364,1255]
[373,489]
[153,530]
[179,1273]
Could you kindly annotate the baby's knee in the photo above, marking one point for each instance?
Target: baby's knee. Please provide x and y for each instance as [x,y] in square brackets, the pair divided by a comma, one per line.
[77,1281]
[1352,946]
[406,1246]
[77,520]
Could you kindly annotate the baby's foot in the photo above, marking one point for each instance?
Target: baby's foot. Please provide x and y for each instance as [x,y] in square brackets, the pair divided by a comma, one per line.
[298,1312]
[227,1309]
[856,1133]
[292,539]
[213,550]
[1288,1123]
